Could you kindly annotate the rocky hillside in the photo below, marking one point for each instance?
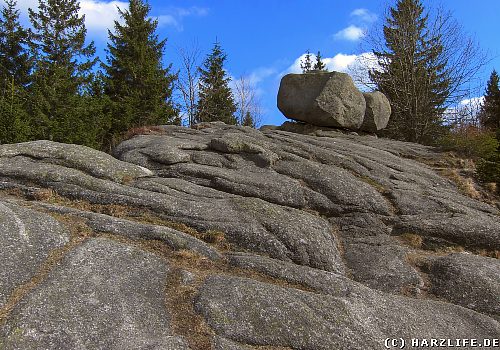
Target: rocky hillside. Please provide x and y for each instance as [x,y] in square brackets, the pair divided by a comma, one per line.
[231,238]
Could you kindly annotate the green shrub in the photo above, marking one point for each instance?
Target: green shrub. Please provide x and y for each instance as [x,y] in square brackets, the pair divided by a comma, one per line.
[488,170]
[471,142]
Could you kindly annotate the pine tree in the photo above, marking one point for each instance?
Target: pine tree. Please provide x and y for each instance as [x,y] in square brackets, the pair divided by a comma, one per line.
[216,101]
[62,69]
[248,120]
[306,64]
[15,66]
[413,74]
[490,110]
[136,82]
[319,64]
[15,62]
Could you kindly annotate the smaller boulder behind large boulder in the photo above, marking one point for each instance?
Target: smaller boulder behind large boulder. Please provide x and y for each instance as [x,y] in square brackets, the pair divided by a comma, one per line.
[323,99]
[378,111]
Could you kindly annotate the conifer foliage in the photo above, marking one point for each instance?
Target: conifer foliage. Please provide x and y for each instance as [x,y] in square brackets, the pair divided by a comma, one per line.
[306,64]
[488,169]
[15,67]
[15,62]
[319,64]
[136,82]
[490,110]
[62,70]
[216,101]
[413,74]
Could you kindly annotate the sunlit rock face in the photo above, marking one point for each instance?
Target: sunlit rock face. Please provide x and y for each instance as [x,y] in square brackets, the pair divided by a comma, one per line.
[227,237]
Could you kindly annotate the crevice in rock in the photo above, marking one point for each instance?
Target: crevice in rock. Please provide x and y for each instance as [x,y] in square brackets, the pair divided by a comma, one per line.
[79,234]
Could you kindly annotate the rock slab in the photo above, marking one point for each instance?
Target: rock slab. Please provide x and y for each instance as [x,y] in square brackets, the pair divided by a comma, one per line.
[110,296]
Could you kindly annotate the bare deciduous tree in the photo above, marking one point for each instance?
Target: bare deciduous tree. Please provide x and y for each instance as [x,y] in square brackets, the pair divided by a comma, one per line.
[188,82]
[247,101]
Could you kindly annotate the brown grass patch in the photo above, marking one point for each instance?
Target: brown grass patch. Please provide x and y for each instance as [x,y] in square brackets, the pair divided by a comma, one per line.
[488,253]
[379,187]
[492,187]
[144,130]
[180,297]
[464,184]
[411,239]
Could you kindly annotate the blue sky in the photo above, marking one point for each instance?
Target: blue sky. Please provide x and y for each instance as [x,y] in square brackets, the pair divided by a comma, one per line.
[264,39]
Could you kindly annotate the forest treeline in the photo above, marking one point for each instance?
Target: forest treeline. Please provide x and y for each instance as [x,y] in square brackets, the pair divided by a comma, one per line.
[52,86]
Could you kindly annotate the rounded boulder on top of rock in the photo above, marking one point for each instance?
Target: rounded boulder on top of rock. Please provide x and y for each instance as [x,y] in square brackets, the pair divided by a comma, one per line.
[322,98]
[378,111]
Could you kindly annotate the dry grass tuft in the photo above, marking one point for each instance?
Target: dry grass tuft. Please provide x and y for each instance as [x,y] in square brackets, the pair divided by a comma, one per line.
[411,239]
[464,184]
[379,187]
[491,187]
[144,130]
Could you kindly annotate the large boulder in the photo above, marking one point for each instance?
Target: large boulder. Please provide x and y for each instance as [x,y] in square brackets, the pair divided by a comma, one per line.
[378,111]
[323,99]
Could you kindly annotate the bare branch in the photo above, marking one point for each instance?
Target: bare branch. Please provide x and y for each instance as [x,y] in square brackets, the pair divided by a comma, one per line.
[188,80]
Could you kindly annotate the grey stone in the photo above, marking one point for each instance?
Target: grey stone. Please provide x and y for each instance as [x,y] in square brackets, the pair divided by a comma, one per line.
[221,343]
[176,240]
[323,99]
[467,280]
[320,281]
[378,111]
[379,263]
[253,224]
[473,230]
[104,295]
[258,313]
[83,158]
[27,237]
[317,210]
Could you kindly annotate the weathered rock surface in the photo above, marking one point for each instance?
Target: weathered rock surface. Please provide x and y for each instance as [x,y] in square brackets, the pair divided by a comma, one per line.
[26,239]
[264,314]
[468,280]
[323,99]
[105,295]
[227,237]
[378,111]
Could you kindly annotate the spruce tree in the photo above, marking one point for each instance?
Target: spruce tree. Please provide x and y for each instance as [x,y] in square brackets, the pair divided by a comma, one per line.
[490,110]
[319,64]
[216,101]
[412,74]
[15,66]
[136,82]
[248,120]
[62,70]
[15,62]
[306,64]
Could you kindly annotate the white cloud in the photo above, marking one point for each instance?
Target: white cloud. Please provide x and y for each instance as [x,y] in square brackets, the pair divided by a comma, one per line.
[260,74]
[253,79]
[176,15]
[23,5]
[364,15]
[351,33]
[101,16]
[465,111]
[474,101]
[340,63]
[357,66]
